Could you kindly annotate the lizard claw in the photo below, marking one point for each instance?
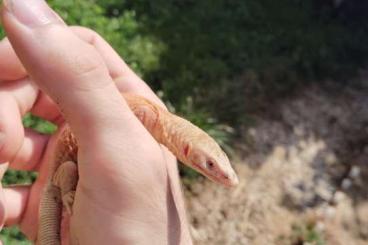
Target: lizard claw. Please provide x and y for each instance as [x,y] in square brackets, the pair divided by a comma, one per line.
[68,200]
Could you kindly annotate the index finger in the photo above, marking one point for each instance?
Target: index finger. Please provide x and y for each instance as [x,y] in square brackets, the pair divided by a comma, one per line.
[124,77]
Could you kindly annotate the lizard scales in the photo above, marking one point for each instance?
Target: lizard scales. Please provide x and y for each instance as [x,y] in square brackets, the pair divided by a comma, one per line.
[187,142]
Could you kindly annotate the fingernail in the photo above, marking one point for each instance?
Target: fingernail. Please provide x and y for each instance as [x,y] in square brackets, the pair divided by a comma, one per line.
[32,13]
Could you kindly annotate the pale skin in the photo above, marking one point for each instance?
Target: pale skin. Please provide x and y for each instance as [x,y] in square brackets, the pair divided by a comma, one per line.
[128,184]
[187,142]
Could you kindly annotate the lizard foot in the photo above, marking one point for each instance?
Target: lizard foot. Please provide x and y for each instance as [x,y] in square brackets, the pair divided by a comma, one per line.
[66,178]
[68,200]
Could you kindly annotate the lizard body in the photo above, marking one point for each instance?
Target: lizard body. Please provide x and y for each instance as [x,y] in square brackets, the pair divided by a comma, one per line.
[191,145]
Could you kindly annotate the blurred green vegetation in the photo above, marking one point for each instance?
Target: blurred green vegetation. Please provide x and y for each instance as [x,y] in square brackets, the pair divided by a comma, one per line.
[12,236]
[218,62]
[38,124]
[231,57]
[235,57]
[303,233]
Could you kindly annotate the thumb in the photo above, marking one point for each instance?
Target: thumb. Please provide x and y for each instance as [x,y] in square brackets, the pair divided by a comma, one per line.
[65,67]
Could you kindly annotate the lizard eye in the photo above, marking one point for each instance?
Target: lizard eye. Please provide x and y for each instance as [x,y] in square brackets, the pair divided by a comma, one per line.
[210,164]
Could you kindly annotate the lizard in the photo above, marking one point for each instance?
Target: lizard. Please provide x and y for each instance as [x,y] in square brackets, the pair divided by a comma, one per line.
[190,144]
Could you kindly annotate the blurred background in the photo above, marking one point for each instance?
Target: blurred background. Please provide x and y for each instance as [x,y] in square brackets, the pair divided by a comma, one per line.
[282,85]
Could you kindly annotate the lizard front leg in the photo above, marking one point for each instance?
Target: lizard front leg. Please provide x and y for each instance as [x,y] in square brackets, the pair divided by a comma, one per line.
[66,178]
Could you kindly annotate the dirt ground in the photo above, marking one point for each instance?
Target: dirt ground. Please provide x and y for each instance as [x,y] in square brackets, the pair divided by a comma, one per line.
[304,177]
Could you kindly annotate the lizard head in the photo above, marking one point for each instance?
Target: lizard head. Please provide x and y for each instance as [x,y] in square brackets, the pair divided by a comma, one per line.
[206,157]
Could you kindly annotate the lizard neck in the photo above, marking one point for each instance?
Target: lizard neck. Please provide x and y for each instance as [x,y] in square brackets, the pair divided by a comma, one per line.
[165,127]
[172,131]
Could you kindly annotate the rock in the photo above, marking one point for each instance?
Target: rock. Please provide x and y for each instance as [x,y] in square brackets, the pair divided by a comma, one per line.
[297,163]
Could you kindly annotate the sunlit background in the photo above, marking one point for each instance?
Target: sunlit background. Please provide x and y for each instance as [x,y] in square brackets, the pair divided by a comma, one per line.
[282,85]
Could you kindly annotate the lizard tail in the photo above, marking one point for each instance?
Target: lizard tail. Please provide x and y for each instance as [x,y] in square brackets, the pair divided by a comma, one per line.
[50,217]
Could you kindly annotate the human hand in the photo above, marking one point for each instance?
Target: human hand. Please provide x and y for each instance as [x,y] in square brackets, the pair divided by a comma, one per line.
[128,189]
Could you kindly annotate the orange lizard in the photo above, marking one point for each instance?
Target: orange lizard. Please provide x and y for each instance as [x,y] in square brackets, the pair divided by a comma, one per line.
[191,145]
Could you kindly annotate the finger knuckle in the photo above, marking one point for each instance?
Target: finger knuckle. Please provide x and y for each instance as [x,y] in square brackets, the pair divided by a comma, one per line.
[87,63]
[11,137]
[7,152]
